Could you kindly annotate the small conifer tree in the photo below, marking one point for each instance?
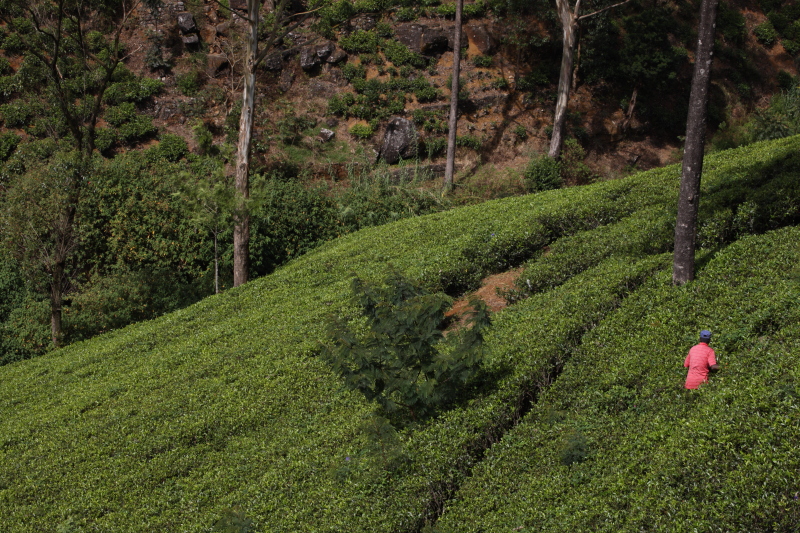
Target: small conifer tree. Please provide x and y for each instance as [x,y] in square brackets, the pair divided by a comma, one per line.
[396,352]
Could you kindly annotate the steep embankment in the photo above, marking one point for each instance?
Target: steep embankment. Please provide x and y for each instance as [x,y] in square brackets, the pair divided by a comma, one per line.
[163,425]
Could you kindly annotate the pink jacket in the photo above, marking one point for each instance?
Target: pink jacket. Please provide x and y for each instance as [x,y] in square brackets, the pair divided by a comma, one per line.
[698,361]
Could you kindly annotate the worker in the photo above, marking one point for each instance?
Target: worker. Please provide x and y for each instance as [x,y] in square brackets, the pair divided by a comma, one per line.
[700,360]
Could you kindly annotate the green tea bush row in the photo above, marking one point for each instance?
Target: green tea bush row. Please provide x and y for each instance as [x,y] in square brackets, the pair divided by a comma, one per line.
[647,441]
[225,404]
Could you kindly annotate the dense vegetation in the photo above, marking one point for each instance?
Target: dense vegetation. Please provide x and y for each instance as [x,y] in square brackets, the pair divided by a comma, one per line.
[224,409]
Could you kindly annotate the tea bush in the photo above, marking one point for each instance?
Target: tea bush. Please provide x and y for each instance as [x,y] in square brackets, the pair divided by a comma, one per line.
[226,405]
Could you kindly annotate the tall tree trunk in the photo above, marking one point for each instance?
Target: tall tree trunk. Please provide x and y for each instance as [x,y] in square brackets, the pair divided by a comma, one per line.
[569,23]
[56,301]
[454,88]
[689,199]
[241,231]
[216,264]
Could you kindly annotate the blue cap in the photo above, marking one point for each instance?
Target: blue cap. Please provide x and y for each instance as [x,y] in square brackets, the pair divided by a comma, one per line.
[705,336]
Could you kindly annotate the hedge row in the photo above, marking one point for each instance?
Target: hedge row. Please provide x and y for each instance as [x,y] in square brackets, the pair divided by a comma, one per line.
[656,457]
[166,424]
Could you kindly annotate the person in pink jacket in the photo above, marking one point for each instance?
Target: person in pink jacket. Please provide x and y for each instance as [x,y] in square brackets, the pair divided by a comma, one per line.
[700,360]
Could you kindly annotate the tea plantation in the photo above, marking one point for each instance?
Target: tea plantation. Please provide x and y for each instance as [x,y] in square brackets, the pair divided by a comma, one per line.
[225,411]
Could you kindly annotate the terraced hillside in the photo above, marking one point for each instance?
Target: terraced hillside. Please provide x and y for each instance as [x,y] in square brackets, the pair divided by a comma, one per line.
[581,423]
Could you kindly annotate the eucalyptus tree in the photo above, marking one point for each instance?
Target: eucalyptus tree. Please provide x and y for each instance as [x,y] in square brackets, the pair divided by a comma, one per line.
[454,89]
[570,21]
[692,166]
[259,45]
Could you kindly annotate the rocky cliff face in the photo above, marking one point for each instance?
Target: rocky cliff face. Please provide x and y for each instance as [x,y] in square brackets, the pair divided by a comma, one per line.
[504,121]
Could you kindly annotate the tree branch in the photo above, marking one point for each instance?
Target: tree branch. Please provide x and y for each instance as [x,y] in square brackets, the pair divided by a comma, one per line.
[601,10]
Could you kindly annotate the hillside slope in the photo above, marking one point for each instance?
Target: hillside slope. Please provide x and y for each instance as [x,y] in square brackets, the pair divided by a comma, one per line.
[165,424]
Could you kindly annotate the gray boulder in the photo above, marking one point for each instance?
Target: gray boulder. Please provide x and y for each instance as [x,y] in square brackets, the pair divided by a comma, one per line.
[479,35]
[423,39]
[186,23]
[273,61]
[309,58]
[336,56]
[325,49]
[325,135]
[399,141]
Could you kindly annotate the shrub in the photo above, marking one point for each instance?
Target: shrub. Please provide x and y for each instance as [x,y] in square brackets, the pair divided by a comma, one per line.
[393,355]
[360,42]
[521,132]
[14,44]
[573,169]
[472,142]
[482,61]
[137,90]
[500,83]
[384,30]
[291,127]
[405,14]
[766,34]
[542,174]
[189,84]
[427,94]
[433,146]
[361,132]
[8,143]
[791,47]
[399,54]
[474,10]
[105,139]
[5,67]
[352,72]
[171,147]
[17,114]
[446,10]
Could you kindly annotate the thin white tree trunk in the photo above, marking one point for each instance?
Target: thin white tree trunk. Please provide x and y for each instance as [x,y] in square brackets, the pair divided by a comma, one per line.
[454,88]
[569,23]
[241,231]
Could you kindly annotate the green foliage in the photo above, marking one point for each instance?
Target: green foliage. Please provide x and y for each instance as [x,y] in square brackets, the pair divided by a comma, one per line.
[8,143]
[766,34]
[360,42]
[482,61]
[405,14]
[474,9]
[154,56]
[573,169]
[791,47]
[731,24]
[542,174]
[373,199]
[472,142]
[361,132]
[521,132]
[171,147]
[433,146]
[291,127]
[392,353]
[351,72]
[17,114]
[399,54]
[288,220]
[189,84]
[233,521]
[167,411]
[203,138]
[137,90]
